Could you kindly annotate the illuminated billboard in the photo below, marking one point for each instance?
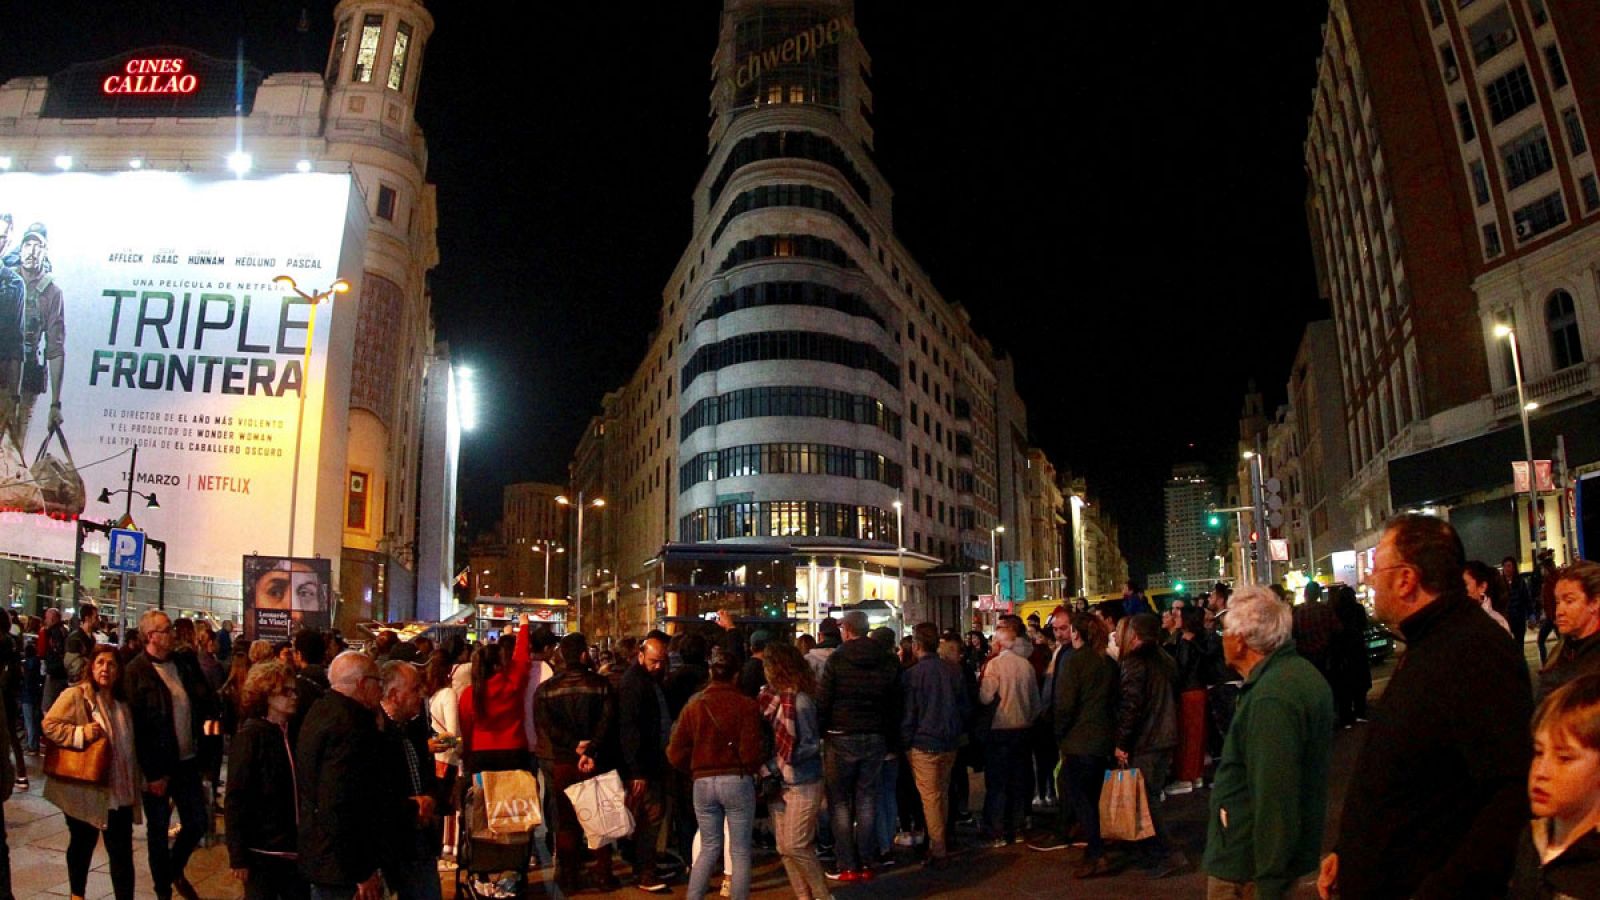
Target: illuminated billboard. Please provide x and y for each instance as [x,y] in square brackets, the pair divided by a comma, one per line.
[140,308]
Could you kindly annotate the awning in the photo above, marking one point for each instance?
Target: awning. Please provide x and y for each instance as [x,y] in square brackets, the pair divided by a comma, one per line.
[1483,463]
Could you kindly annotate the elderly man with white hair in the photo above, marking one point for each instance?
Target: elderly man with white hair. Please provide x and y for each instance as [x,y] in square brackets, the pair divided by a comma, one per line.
[1271,791]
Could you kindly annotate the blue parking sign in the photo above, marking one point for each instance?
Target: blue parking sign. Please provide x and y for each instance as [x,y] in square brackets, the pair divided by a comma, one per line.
[127,552]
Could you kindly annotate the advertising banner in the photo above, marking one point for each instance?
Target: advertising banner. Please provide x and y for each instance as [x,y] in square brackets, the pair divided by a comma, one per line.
[283,595]
[140,308]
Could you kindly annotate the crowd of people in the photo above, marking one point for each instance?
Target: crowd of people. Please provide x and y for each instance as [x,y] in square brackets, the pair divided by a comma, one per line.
[853,750]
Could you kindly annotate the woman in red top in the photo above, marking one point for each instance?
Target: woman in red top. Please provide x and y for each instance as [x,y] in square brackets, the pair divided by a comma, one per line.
[491,708]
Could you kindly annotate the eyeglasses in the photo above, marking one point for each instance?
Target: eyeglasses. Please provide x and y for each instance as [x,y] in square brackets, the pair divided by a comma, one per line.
[153,631]
[1395,566]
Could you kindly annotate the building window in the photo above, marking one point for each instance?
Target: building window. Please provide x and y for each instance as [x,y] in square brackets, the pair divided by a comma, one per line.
[367,50]
[785,246]
[787,345]
[355,514]
[1591,192]
[386,201]
[1447,57]
[1558,72]
[1491,34]
[797,402]
[1561,319]
[1480,182]
[1509,94]
[1537,10]
[1575,138]
[340,42]
[801,195]
[1540,216]
[792,293]
[788,145]
[1435,13]
[398,60]
[1464,119]
[1491,241]
[1526,157]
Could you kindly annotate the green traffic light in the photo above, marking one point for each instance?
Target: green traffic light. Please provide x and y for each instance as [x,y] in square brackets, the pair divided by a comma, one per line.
[1178,587]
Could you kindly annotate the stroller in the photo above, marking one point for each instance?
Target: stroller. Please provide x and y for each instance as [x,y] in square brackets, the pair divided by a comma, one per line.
[490,865]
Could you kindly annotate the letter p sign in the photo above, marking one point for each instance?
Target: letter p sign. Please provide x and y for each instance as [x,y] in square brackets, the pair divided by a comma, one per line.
[127,552]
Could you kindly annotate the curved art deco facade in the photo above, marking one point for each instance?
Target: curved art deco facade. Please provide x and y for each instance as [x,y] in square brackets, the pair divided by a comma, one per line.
[805,373]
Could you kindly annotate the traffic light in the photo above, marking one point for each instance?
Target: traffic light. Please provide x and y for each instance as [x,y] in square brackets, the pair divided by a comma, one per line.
[1213,521]
[1178,586]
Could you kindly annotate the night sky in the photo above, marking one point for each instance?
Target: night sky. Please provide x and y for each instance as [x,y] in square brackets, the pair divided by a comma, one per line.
[1118,199]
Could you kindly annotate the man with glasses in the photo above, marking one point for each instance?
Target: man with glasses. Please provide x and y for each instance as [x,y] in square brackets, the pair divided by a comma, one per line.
[344,796]
[1437,797]
[171,702]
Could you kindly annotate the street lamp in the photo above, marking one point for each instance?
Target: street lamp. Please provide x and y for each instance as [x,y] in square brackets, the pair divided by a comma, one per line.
[900,557]
[994,562]
[1078,503]
[596,502]
[548,552]
[339,286]
[1259,515]
[1502,330]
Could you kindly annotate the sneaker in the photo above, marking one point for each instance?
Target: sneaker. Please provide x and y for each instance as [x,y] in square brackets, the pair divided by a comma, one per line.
[1180,787]
[993,843]
[653,885]
[840,875]
[885,861]
[1049,845]
[22,782]
[905,839]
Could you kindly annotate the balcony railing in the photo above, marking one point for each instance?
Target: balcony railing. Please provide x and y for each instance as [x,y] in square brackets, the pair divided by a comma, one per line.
[1569,382]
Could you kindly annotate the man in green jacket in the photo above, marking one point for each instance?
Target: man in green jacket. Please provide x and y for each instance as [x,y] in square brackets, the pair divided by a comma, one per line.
[1271,791]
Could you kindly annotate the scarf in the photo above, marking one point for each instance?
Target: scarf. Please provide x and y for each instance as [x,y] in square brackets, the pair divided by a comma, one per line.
[778,708]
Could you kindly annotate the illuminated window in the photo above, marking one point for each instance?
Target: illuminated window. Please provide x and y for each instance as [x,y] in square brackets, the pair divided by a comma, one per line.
[355,516]
[367,50]
[339,44]
[397,61]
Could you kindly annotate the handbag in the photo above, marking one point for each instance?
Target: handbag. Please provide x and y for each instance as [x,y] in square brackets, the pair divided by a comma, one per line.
[601,806]
[91,765]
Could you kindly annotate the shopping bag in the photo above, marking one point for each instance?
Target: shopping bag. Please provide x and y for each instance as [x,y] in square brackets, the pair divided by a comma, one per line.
[510,801]
[601,806]
[1124,809]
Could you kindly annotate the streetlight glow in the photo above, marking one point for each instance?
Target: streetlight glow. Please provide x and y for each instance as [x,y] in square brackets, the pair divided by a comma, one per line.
[64,162]
[1502,330]
[469,398]
[239,162]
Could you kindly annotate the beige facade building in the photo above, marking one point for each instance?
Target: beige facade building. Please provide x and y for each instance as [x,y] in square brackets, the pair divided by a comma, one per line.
[356,117]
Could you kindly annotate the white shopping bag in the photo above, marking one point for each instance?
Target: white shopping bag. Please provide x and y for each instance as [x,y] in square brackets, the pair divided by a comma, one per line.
[601,805]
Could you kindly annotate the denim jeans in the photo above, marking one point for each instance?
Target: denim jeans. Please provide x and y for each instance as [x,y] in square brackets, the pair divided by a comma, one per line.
[851,765]
[888,811]
[1007,767]
[719,797]
[33,725]
[184,791]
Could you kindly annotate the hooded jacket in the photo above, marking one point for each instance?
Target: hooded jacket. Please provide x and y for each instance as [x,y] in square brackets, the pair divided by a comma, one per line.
[859,692]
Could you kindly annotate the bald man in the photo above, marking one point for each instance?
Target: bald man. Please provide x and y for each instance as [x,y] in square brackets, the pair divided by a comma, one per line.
[411,866]
[342,794]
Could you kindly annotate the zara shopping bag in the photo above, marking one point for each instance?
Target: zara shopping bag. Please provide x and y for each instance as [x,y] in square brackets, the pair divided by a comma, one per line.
[1124,808]
[510,802]
[601,805]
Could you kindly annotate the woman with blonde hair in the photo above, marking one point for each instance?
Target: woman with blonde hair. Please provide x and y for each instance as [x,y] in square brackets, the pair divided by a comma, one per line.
[90,711]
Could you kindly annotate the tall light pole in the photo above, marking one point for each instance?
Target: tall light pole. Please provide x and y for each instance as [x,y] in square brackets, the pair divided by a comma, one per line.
[1503,330]
[994,562]
[595,502]
[1259,516]
[1078,504]
[339,286]
[900,558]
[549,548]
